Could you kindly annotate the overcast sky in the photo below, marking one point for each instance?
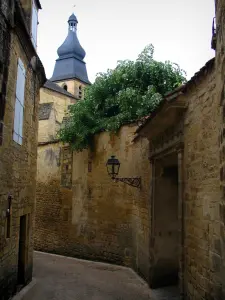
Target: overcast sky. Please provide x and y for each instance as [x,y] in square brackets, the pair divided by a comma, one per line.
[112,30]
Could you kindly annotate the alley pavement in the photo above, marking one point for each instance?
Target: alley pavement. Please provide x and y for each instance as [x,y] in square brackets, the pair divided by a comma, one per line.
[63,278]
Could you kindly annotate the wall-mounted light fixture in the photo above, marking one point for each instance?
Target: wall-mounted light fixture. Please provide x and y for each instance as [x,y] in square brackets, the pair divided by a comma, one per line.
[113,167]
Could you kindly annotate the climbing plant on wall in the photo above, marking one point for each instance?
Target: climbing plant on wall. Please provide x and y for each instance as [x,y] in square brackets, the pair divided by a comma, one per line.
[120,96]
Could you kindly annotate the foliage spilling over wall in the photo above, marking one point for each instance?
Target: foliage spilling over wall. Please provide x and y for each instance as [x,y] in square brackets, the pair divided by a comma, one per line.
[120,96]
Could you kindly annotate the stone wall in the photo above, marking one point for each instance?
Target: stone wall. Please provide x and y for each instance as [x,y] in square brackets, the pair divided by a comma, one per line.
[98,219]
[201,186]
[47,128]
[219,279]
[199,194]
[60,106]
[52,202]
[18,173]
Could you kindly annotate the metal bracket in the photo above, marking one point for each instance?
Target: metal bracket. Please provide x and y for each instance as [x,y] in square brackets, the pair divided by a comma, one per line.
[133,181]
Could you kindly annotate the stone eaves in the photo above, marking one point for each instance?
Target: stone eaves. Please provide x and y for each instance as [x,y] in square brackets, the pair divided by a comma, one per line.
[56,88]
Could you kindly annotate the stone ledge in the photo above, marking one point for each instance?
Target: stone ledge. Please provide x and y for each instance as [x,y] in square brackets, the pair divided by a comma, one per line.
[25,290]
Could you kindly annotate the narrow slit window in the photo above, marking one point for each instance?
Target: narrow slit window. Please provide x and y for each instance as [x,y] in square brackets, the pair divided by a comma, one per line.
[1,133]
[8,226]
[8,218]
[80,92]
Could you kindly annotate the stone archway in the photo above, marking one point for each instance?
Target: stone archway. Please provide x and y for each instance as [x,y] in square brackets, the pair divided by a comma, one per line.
[165,131]
[167,220]
[164,269]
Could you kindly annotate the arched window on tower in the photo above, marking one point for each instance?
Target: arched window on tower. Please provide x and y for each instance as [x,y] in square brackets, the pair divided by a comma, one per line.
[65,87]
[80,92]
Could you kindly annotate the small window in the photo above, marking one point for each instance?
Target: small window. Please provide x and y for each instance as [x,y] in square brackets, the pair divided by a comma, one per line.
[89,166]
[65,87]
[1,133]
[2,111]
[34,24]
[80,92]
[8,218]
[8,226]
[19,104]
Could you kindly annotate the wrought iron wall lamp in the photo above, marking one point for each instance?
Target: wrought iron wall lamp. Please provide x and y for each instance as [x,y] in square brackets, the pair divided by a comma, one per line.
[113,167]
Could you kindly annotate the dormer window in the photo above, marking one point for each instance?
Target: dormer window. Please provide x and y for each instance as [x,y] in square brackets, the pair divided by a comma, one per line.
[34,24]
[65,87]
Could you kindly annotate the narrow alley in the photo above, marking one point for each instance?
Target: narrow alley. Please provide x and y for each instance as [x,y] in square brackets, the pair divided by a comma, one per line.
[64,278]
[112,149]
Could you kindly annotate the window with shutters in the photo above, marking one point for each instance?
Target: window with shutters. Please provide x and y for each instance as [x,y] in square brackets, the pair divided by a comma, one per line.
[34,24]
[19,104]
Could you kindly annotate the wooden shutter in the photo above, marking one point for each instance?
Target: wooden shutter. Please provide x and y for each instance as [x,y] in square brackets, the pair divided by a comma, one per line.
[34,24]
[19,105]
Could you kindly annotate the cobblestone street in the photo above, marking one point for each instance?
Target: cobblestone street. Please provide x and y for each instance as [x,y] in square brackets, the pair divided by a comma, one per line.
[62,278]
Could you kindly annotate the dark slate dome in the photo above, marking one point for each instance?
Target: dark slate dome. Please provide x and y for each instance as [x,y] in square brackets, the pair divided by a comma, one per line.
[71,46]
[70,64]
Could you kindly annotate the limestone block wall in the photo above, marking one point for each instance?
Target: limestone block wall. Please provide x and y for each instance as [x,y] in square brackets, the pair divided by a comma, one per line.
[47,129]
[219,287]
[60,101]
[113,219]
[17,173]
[201,188]
[97,219]
[52,201]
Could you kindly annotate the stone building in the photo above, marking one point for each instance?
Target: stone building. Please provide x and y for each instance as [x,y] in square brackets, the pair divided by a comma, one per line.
[65,88]
[21,76]
[171,230]
[185,190]
[81,212]
[186,139]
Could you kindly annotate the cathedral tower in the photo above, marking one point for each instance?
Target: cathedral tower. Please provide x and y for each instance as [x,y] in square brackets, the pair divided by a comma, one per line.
[70,69]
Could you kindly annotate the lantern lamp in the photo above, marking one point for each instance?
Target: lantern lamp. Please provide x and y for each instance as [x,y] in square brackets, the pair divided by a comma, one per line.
[113,167]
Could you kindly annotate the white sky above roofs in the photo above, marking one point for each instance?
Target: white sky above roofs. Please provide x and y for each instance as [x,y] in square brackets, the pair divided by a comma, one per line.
[112,30]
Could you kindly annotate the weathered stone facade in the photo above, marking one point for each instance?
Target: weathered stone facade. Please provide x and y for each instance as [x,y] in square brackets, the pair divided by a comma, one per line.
[172,230]
[187,139]
[219,256]
[54,172]
[97,219]
[17,162]
[168,231]
[201,188]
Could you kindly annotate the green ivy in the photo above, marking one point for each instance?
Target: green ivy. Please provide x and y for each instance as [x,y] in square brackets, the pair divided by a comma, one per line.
[120,96]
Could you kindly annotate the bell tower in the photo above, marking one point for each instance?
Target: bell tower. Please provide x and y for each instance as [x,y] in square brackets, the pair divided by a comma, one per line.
[70,69]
